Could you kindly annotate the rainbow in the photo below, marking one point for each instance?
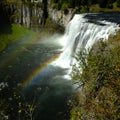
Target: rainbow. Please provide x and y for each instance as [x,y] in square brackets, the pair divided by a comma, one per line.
[37,71]
[12,55]
[30,38]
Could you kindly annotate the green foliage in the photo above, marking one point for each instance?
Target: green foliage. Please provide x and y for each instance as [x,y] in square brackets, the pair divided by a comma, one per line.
[54,6]
[65,4]
[65,8]
[25,109]
[106,3]
[99,97]
[118,3]
[3,109]
[18,32]
[102,3]
[84,5]
[18,106]
[81,63]
[52,27]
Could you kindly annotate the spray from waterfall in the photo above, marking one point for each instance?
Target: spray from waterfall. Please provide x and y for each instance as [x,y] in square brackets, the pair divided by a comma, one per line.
[83,33]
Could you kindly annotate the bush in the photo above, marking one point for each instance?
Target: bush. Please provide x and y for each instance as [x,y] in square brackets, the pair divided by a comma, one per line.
[102,3]
[110,6]
[118,3]
[99,96]
[65,7]
[54,6]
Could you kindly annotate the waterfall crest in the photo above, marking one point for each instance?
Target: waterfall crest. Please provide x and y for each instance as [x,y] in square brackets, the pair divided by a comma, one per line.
[83,33]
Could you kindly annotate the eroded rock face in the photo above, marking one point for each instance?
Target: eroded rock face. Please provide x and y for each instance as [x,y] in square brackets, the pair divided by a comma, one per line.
[34,14]
[60,17]
[28,15]
[24,12]
[31,17]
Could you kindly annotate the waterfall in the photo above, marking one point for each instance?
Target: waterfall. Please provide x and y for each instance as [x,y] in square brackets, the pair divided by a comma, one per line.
[83,32]
[45,82]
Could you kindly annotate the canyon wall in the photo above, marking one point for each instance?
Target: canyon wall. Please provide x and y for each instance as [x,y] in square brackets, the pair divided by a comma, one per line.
[33,13]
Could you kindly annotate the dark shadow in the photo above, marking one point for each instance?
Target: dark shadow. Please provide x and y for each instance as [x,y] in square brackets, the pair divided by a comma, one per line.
[49,88]
[5,24]
[95,22]
[95,18]
[52,93]
[23,60]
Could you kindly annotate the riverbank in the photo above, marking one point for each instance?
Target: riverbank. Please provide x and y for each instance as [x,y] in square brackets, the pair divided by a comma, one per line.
[99,95]
[16,34]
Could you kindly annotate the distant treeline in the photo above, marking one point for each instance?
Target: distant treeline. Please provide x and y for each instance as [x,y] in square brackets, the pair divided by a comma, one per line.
[78,4]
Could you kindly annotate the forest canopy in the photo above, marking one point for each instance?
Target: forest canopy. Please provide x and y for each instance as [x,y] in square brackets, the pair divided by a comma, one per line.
[78,4]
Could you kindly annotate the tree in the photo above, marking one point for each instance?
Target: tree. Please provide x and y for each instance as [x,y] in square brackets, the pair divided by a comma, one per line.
[102,3]
[118,3]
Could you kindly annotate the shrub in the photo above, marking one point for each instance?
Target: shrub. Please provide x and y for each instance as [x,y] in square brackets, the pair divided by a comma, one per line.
[118,3]
[99,96]
[65,7]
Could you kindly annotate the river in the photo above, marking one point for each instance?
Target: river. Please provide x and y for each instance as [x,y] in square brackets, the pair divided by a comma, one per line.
[39,71]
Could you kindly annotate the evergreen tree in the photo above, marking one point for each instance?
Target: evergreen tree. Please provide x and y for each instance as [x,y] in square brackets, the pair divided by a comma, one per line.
[118,3]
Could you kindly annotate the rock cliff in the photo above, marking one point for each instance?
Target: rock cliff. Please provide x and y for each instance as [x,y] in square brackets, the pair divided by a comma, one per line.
[33,13]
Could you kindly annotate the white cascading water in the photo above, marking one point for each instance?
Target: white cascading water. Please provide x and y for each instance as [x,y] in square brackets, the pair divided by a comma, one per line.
[83,33]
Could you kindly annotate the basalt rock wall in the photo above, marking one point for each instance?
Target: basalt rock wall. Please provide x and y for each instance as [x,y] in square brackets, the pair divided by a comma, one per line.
[33,13]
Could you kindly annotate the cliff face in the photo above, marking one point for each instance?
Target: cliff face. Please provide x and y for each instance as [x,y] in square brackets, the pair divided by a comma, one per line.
[33,14]
[60,17]
[27,14]
[29,17]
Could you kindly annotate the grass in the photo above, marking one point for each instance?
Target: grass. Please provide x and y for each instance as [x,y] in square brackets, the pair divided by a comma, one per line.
[18,32]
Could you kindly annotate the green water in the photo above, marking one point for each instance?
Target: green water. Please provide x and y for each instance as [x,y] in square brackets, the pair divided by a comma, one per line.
[49,88]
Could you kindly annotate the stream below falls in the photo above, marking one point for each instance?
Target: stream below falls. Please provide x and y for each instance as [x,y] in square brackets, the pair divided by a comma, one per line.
[39,71]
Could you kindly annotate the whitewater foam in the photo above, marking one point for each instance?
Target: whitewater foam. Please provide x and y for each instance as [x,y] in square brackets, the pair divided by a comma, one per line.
[82,33]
